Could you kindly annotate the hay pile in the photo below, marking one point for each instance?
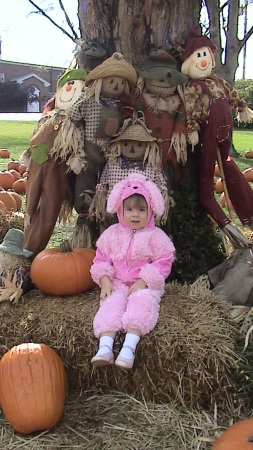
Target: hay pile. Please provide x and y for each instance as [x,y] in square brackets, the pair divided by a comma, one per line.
[187,358]
[117,421]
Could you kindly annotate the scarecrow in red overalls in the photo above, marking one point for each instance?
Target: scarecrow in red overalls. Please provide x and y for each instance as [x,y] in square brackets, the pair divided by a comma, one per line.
[208,102]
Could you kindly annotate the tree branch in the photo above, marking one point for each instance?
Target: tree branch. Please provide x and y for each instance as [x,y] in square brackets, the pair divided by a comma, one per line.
[43,13]
[68,19]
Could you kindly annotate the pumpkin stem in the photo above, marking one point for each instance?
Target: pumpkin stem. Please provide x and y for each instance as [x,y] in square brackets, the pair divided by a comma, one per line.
[66,246]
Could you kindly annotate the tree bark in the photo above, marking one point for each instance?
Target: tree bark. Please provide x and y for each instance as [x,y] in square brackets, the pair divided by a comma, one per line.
[134,27]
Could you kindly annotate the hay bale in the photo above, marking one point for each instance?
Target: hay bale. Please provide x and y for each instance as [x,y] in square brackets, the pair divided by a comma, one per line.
[96,421]
[118,421]
[186,359]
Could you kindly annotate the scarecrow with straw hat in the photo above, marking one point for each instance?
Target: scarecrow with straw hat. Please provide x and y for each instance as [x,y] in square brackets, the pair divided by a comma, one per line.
[208,102]
[133,150]
[100,111]
[57,154]
[158,98]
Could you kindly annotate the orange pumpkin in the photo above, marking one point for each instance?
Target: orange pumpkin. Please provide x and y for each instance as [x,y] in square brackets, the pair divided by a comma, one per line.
[4,153]
[6,179]
[19,186]
[8,200]
[2,206]
[59,272]
[248,174]
[13,165]
[15,174]
[249,154]
[33,386]
[219,186]
[22,169]
[224,201]
[17,197]
[217,170]
[237,437]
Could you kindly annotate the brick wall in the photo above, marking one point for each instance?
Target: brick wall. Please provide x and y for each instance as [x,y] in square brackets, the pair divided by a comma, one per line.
[43,78]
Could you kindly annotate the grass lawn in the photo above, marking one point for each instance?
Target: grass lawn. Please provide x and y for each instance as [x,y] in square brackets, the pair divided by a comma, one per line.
[16,136]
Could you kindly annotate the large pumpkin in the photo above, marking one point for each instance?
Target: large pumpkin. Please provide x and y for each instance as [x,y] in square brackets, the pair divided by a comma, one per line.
[237,437]
[33,387]
[59,272]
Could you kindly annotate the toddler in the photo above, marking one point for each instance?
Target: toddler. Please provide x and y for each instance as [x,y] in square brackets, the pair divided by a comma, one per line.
[133,259]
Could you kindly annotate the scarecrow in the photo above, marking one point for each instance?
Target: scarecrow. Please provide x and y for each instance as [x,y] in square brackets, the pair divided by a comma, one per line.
[158,98]
[14,266]
[208,102]
[57,154]
[133,150]
[100,111]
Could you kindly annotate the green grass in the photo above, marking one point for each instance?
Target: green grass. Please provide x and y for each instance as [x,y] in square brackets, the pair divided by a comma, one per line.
[16,136]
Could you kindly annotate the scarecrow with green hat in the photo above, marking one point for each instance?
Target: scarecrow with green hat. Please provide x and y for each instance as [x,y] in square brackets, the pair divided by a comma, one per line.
[132,150]
[57,156]
[14,266]
[100,111]
[163,108]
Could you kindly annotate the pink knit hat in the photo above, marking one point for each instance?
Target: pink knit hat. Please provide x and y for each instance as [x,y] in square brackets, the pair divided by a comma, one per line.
[195,40]
[136,183]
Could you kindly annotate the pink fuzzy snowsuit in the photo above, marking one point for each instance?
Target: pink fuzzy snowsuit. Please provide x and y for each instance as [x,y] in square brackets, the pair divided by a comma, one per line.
[125,255]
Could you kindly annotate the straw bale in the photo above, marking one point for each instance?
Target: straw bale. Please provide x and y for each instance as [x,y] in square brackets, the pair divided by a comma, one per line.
[187,358]
[118,421]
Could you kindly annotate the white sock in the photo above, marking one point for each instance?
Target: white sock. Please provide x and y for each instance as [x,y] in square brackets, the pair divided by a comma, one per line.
[131,340]
[105,345]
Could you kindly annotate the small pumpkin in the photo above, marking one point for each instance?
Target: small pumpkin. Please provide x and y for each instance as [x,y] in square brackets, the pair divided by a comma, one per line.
[4,153]
[6,179]
[223,201]
[17,197]
[63,271]
[15,174]
[249,154]
[248,174]
[2,206]
[8,200]
[237,437]
[22,169]
[219,186]
[33,386]
[14,164]
[19,186]
[217,170]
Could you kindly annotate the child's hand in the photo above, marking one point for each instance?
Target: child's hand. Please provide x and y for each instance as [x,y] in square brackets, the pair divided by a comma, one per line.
[106,287]
[138,284]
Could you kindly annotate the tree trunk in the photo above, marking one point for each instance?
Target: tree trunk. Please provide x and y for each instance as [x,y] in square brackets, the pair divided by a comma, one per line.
[134,27]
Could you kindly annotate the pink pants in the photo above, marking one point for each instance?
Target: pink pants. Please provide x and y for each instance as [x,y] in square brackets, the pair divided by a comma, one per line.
[119,311]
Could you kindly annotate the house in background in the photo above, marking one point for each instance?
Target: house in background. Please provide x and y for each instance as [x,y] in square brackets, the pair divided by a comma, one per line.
[39,82]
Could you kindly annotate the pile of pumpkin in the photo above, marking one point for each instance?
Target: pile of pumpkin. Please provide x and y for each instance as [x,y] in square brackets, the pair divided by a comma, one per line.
[13,181]
[218,185]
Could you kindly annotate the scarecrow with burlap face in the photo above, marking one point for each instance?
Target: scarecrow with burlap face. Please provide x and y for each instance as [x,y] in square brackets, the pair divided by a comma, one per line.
[133,150]
[57,155]
[158,98]
[209,100]
[100,110]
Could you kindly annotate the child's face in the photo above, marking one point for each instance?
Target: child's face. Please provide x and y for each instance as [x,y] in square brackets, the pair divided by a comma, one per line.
[135,213]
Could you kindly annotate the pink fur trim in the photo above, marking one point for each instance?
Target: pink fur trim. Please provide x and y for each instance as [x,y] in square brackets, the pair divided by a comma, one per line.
[153,278]
[126,187]
[97,271]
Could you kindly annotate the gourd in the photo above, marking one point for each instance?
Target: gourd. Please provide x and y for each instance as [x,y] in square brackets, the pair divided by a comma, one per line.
[237,437]
[33,386]
[63,271]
